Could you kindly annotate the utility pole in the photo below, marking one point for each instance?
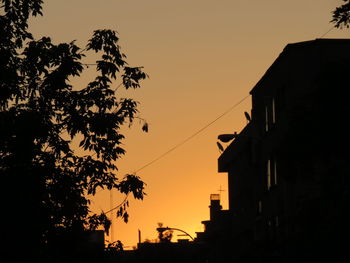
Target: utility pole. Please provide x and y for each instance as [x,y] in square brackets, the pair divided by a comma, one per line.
[111,216]
[139,232]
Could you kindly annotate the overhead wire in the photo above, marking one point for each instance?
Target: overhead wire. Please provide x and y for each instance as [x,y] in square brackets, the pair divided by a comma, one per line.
[189,137]
[121,203]
[192,136]
[329,30]
[180,144]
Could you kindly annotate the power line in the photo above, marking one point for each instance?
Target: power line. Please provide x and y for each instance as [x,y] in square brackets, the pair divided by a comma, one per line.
[116,207]
[180,144]
[329,30]
[193,135]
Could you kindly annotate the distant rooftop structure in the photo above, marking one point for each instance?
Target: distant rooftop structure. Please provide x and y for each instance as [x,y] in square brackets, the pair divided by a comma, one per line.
[215,197]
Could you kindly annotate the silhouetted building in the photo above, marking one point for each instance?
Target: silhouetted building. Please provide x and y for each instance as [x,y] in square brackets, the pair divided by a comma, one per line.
[217,234]
[289,168]
[182,251]
[82,246]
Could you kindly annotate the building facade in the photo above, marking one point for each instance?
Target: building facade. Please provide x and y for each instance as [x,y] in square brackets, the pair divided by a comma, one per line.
[289,168]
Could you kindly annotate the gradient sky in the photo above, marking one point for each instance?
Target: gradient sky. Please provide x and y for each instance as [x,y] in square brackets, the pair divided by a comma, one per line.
[202,57]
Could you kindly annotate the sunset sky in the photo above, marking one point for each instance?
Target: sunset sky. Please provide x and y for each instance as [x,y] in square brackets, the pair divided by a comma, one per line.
[202,58]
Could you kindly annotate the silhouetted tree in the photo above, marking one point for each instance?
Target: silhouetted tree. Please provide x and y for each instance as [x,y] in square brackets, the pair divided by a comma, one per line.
[58,144]
[114,246]
[164,235]
[341,15]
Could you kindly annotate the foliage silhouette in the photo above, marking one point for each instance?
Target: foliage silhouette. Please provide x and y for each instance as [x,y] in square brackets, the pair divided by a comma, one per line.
[341,15]
[164,235]
[41,118]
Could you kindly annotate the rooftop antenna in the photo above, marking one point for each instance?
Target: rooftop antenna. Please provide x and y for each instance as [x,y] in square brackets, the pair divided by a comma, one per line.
[221,149]
[247,116]
[221,190]
[227,137]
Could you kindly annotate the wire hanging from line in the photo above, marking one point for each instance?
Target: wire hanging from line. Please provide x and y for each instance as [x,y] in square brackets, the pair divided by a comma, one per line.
[116,207]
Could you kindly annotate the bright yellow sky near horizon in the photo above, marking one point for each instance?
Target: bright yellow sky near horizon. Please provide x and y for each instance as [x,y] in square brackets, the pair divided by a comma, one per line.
[202,57]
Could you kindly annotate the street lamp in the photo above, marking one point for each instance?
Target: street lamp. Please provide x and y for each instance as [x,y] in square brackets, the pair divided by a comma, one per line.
[162,229]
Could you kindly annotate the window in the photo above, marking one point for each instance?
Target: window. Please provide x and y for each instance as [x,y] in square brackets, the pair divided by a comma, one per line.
[259,207]
[269,223]
[273,111]
[266,119]
[271,172]
[275,172]
[277,221]
[270,113]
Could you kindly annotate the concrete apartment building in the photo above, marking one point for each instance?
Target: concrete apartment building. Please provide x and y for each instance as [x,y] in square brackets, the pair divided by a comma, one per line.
[289,168]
